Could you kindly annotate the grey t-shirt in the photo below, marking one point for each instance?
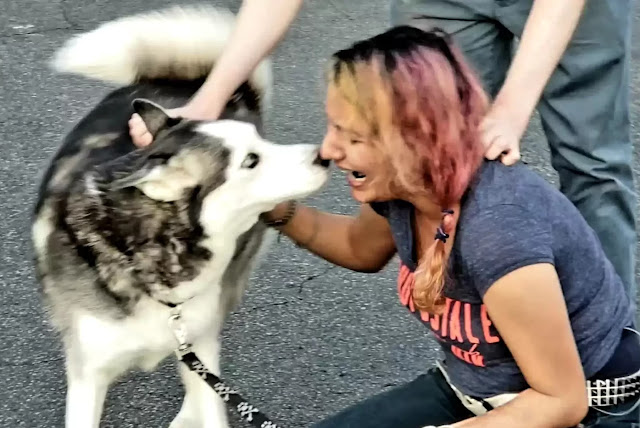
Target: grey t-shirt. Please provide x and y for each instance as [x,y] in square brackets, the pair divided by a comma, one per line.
[509,218]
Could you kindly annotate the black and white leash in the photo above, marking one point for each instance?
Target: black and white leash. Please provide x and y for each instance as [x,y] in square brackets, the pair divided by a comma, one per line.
[232,398]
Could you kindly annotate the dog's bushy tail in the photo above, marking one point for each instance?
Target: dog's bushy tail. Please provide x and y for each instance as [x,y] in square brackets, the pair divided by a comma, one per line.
[180,43]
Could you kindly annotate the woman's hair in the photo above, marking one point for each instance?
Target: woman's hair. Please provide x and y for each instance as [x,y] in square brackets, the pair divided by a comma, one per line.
[415,92]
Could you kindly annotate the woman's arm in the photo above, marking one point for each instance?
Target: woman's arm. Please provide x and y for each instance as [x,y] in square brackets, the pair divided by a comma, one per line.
[528,309]
[361,243]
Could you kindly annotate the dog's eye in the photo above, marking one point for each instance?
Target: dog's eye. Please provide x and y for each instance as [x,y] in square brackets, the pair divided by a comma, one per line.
[250,161]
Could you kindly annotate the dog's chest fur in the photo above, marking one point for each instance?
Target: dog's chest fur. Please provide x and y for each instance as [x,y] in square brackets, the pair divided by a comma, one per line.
[137,246]
[144,337]
[139,254]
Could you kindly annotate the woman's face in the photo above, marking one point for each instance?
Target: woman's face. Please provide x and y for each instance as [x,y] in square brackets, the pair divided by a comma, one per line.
[349,144]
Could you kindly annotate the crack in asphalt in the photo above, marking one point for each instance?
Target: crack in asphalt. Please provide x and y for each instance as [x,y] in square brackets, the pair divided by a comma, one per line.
[342,11]
[268,305]
[32,33]
[313,277]
[22,29]
[65,15]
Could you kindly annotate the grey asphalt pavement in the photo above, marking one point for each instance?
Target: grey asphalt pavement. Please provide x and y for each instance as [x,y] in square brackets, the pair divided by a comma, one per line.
[308,340]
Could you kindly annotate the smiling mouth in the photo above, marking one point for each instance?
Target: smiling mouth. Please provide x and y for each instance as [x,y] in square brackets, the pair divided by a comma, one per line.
[358,176]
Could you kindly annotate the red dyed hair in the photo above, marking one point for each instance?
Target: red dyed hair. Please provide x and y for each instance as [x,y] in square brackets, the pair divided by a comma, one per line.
[423,102]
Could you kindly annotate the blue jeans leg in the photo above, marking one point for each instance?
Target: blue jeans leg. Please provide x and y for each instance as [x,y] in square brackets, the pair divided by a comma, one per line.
[427,400]
[626,415]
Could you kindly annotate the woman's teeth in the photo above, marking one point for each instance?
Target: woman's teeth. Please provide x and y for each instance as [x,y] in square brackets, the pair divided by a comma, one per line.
[358,175]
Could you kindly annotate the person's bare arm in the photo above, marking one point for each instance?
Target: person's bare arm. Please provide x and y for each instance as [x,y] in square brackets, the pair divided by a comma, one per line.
[260,26]
[361,243]
[547,33]
[528,309]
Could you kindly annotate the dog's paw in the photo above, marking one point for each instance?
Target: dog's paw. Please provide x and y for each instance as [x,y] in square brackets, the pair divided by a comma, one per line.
[181,422]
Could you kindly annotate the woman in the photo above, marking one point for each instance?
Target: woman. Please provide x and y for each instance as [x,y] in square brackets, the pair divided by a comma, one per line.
[571,64]
[495,261]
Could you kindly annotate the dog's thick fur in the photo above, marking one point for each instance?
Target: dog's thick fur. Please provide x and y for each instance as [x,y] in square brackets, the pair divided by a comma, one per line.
[122,233]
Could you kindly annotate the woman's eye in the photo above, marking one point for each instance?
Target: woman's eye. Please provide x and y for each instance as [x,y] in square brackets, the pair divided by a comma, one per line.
[355,141]
[250,161]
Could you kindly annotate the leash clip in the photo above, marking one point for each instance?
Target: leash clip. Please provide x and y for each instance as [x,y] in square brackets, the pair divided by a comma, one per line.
[179,331]
[232,398]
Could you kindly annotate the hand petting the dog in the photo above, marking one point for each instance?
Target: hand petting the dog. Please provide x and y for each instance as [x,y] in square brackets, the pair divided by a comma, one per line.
[142,137]
[138,130]
[243,52]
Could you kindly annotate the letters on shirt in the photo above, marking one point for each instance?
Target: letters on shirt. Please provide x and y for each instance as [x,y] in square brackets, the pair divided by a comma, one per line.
[464,327]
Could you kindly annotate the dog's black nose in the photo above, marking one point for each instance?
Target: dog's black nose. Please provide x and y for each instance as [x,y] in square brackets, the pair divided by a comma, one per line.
[319,160]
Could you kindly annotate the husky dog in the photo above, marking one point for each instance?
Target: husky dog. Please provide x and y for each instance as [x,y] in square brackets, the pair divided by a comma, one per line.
[121,235]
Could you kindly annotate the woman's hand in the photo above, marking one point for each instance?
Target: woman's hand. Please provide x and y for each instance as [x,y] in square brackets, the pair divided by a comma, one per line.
[362,243]
[277,213]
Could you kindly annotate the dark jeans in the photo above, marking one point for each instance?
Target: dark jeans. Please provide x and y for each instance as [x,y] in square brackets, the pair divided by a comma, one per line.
[428,400]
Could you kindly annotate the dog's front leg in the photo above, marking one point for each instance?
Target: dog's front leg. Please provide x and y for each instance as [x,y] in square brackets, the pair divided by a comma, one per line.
[202,406]
[85,398]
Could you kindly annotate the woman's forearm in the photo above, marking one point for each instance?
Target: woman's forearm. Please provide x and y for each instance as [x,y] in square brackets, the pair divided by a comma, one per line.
[531,409]
[259,28]
[325,235]
[360,243]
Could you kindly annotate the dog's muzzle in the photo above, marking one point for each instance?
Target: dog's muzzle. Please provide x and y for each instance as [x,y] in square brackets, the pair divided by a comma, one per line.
[319,160]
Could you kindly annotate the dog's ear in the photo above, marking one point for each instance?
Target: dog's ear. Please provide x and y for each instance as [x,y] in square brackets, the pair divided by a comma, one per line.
[160,176]
[126,171]
[154,116]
